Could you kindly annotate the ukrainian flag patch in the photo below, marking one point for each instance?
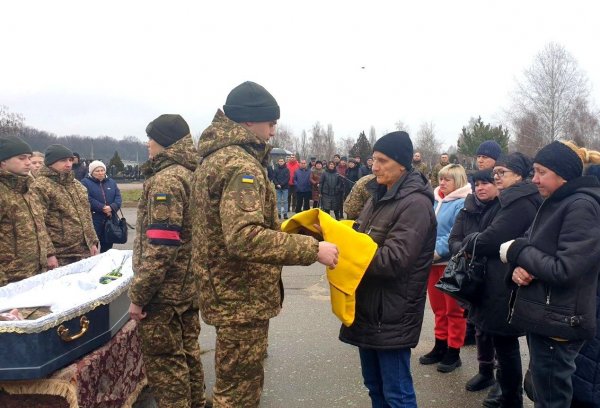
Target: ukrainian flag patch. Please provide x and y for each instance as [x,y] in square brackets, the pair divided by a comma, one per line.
[248,179]
[162,198]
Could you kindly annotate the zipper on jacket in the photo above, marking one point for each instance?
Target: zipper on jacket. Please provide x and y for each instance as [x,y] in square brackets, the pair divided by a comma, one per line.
[548,293]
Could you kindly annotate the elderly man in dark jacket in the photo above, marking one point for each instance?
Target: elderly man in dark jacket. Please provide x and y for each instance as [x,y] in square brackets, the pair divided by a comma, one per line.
[390,299]
[556,268]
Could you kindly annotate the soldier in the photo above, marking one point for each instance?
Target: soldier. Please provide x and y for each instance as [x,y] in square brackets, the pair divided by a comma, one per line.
[436,169]
[23,237]
[358,197]
[66,209]
[238,246]
[37,162]
[419,164]
[164,292]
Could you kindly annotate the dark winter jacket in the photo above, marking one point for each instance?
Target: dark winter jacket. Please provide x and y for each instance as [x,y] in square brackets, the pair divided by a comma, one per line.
[302,180]
[281,177]
[332,190]
[510,218]
[561,251]
[101,193]
[390,299]
[586,380]
[352,176]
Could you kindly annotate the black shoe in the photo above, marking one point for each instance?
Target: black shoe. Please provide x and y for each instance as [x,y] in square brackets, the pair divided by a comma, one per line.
[494,397]
[436,354]
[479,382]
[285,217]
[451,361]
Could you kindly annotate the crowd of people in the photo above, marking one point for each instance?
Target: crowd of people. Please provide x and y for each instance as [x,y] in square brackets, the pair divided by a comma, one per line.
[208,242]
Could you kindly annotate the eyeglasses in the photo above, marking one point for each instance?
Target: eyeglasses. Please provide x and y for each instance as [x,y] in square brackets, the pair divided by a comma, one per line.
[500,173]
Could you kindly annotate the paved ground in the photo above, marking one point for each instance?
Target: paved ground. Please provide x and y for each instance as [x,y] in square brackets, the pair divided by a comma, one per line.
[309,367]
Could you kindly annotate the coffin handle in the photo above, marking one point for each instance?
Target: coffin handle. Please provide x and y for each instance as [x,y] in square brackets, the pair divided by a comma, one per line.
[63,332]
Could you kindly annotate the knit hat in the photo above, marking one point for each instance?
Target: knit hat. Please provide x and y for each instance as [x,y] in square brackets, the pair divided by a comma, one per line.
[167,129]
[516,162]
[489,148]
[11,146]
[55,153]
[397,146]
[561,159]
[483,175]
[94,165]
[250,102]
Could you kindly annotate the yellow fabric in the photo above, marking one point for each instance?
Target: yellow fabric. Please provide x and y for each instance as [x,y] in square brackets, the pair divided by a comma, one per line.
[356,252]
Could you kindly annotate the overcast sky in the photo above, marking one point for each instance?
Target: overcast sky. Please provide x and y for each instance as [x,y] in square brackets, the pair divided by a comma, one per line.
[109,67]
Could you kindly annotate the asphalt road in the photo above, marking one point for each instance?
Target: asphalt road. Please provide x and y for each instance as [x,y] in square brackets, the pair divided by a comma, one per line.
[309,367]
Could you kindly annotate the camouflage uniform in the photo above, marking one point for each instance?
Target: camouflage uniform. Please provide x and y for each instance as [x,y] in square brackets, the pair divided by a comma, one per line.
[164,284]
[239,252]
[434,174]
[422,167]
[23,237]
[67,215]
[358,197]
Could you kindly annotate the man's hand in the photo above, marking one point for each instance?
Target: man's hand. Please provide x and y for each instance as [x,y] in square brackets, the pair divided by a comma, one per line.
[136,312]
[328,254]
[94,250]
[52,262]
[521,277]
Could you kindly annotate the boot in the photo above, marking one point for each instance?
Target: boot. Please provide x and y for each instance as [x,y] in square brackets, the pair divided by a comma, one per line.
[494,397]
[436,355]
[451,361]
[483,379]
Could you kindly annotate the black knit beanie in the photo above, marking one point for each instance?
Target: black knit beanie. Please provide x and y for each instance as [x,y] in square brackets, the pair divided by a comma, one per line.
[561,159]
[516,162]
[489,148]
[11,146]
[250,102]
[55,153]
[483,175]
[167,129]
[397,146]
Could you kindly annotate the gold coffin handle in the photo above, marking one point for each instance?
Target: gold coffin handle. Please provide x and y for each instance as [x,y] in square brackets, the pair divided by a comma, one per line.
[63,332]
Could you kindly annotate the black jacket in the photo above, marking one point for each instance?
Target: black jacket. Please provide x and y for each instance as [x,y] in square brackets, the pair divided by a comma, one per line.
[390,299]
[516,209]
[561,251]
[332,190]
[281,176]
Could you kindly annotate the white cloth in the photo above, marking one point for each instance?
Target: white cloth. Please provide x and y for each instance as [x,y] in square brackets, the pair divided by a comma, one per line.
[504,250]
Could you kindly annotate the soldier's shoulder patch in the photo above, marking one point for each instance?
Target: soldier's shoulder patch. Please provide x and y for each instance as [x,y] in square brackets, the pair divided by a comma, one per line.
[247,179]
[162,198]
[247,195]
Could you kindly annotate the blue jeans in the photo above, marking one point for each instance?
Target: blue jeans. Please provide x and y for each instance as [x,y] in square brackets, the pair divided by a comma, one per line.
[282,202]
[387,376]
[552,365]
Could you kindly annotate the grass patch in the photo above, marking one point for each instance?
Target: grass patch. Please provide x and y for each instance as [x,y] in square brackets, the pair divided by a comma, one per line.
[131,196]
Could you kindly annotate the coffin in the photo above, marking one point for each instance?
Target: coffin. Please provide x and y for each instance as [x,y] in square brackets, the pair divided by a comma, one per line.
[83,314]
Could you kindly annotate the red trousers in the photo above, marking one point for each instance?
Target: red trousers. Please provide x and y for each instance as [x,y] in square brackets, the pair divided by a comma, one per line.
[450,323]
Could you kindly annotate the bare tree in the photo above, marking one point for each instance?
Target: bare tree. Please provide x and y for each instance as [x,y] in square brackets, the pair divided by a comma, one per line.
[329,144]
[345,145]
[427,143]
[400,125]
[583,126]
[372,136]
[10,122]
[549,90]
[317,139]
[284,138]
[529,136]
[303,146]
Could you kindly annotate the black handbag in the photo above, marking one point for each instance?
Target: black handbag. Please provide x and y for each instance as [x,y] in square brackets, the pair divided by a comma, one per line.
[463,277]
[115,229]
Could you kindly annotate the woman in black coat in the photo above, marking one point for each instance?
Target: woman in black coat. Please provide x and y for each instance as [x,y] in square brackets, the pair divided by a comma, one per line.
[519,200]
[478,212]
[332,189]
[555,269]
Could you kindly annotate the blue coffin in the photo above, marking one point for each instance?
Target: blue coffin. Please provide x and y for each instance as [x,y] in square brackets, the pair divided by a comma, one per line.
[35,349]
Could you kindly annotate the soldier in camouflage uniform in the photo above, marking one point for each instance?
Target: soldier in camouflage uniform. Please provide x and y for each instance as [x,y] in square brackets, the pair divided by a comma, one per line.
[23,237]
[238,247]
[164,292]
[358,197]
[419,164]
[66,209]
[436,169]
